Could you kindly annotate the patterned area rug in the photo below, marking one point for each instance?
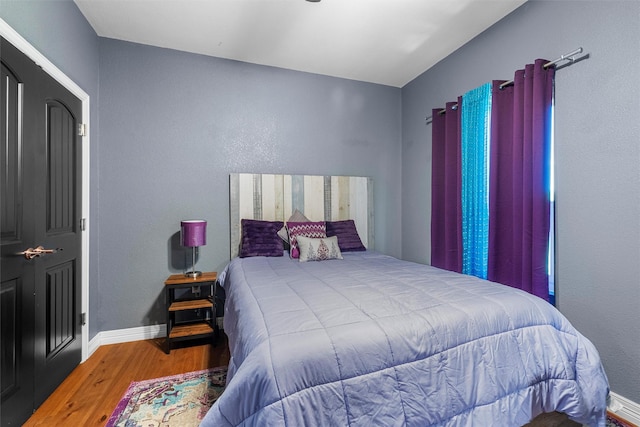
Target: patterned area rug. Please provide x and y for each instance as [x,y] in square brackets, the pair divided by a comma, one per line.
[178,400]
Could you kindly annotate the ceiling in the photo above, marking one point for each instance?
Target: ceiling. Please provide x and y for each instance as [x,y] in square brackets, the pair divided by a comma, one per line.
[388,42]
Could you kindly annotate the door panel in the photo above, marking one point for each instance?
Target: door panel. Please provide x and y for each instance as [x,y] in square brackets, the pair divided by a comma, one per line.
[10,310]
[61,212]
[11,208]
[60,301]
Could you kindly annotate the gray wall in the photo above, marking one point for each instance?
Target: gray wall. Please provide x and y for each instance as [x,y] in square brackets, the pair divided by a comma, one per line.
[597,155]
[173,125]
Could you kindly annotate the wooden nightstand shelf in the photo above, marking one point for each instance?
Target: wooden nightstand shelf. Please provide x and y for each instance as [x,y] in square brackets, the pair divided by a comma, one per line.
[195,301]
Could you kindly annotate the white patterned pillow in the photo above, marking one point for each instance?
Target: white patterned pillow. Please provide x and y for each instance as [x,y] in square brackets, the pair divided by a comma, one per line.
[320,249]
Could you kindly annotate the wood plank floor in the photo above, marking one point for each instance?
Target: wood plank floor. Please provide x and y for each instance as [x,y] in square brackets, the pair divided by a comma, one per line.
[90,394]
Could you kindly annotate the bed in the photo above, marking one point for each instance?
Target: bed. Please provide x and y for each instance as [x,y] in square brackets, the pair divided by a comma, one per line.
[361,338]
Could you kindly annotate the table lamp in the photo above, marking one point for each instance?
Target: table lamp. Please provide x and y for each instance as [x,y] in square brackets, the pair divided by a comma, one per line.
[193,233]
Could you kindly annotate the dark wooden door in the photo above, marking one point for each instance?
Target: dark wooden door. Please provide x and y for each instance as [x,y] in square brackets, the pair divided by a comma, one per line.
[41,205]
[17,286]
[58,344]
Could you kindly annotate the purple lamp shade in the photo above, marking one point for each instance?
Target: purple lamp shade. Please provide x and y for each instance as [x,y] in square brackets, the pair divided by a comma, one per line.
[193,233]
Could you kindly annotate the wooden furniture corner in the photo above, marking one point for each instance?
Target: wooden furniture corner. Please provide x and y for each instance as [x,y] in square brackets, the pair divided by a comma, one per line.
[197,301]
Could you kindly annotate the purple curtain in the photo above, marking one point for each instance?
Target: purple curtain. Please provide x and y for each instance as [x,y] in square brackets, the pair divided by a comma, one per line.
[519,199]
[446,210]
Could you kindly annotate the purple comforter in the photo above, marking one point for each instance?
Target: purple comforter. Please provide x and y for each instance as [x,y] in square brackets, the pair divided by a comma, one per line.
[372,340]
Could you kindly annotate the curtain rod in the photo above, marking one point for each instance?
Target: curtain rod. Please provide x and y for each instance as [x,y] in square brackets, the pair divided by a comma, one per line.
[566,57]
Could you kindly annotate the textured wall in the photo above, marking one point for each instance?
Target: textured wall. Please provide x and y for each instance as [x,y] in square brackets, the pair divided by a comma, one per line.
[173,126]
[597,156]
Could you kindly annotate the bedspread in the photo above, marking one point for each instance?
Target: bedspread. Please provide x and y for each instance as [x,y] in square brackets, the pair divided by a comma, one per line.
[373,340]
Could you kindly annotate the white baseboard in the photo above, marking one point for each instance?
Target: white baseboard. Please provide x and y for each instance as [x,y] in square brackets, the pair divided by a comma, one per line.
[625,408]
[132,334]
[126,335]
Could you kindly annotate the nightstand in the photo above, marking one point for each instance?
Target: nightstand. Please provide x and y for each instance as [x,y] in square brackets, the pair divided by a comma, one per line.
[190,307]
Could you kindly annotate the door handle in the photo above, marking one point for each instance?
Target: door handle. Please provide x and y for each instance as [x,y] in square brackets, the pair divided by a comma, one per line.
[32,253]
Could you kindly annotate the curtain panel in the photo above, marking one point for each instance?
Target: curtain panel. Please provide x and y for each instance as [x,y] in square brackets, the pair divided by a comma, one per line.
[474,141]
[519,198]
[446,210]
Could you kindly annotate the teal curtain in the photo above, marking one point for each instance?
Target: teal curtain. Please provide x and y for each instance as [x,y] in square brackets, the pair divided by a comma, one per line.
[475,137]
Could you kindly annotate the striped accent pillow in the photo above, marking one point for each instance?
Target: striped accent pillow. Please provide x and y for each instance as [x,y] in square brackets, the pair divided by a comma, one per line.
[297,216]
[314,230]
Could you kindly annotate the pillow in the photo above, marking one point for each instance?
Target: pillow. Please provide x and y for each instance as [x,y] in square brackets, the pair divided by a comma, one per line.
[318,249]
[306,229]
[260,238]
[297,216]
[348,237]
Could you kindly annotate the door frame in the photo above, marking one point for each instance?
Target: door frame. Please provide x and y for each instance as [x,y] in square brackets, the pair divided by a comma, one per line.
[25,47]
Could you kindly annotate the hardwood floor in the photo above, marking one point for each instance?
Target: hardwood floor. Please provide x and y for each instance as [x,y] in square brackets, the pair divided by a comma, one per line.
[90,394]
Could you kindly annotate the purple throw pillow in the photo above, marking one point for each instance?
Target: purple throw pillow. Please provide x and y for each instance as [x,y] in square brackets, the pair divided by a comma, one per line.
[348,238]
[260,238]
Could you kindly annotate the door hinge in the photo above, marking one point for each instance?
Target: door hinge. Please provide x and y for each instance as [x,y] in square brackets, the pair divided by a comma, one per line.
[82,129]
[83,224]
[83,319]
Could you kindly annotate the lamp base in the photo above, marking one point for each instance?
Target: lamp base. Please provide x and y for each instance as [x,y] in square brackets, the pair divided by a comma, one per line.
[193,274]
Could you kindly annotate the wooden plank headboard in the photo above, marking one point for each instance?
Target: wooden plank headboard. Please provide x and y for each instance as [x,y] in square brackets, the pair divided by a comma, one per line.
[320,198]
